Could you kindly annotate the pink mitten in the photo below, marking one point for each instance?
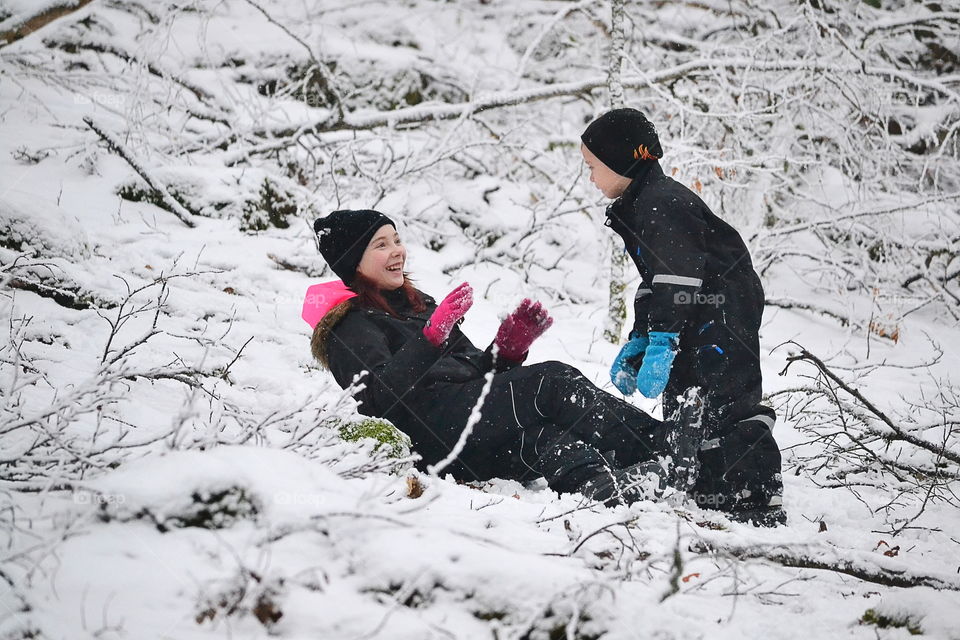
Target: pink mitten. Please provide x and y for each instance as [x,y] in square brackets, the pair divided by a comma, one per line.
[521,328]
[448,313]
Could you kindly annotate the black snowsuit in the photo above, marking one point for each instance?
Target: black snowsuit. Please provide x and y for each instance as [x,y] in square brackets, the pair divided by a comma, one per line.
[545,419]
[699,282]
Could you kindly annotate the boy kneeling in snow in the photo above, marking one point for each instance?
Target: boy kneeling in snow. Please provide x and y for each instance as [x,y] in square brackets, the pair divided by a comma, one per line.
[697,316]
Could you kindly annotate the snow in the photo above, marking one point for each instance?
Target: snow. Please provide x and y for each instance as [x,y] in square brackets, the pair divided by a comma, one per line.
[323,531]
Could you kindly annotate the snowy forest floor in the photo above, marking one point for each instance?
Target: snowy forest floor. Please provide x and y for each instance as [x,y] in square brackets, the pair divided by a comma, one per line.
[170,463]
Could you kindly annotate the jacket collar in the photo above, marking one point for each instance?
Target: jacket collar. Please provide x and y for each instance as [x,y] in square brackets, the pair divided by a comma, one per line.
[651,172]
[396,299]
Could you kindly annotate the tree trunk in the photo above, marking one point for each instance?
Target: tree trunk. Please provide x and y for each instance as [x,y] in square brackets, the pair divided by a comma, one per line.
[616,306]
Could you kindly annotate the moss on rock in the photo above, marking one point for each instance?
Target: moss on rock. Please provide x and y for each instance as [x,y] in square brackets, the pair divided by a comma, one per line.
[383,432]
[888,620]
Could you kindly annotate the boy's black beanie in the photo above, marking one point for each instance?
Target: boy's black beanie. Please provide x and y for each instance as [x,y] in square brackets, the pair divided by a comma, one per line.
[624,140]
[343,236]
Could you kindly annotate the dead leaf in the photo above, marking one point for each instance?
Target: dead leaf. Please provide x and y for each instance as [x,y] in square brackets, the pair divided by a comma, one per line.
[687,578]
[266,610]
[892,552]
[885,331]
[719,172]
[698,185]
[230,290]
[517,496]
[414,487]
[823,526]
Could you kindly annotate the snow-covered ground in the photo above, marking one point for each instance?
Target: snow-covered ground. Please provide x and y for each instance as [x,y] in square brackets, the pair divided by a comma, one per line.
[170,460]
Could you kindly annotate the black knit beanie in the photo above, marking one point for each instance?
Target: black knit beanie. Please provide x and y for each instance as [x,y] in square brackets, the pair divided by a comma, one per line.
[343,236]
[624,140]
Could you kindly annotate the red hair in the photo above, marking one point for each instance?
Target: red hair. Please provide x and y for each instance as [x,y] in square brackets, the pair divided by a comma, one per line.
[369,294]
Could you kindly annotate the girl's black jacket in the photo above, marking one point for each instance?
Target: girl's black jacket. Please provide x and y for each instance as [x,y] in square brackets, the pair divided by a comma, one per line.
[403,366]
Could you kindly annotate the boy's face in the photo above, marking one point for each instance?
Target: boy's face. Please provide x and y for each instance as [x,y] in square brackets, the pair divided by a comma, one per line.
[610,183]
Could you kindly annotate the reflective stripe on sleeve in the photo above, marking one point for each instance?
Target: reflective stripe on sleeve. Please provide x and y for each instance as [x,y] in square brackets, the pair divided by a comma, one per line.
[683,281]
[765,419]
[642,292]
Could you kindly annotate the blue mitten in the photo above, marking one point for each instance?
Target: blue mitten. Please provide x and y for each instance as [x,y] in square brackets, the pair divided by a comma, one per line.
[623,373]
[655,371]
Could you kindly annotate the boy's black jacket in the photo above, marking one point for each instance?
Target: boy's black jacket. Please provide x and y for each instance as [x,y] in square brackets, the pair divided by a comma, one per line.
[695,266]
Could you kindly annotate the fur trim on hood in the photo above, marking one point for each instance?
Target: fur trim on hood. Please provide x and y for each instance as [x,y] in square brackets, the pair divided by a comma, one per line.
[324,305]
[321,333]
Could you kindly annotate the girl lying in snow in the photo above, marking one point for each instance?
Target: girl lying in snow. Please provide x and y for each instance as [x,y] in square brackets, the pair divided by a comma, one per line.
[422,373]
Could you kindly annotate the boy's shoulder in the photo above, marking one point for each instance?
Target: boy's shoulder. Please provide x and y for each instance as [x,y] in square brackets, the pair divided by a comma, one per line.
[679,193]
[666,196]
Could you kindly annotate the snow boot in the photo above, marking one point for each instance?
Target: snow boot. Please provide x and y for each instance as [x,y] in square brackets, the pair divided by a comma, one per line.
[740,473]
[642,481]
[770,514]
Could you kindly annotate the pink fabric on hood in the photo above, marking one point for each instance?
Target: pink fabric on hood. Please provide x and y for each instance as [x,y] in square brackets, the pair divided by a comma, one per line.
[320,298]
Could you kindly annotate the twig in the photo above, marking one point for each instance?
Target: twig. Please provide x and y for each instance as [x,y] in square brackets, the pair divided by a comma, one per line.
[317,64]
[474,418]
[676,569]
[178,209]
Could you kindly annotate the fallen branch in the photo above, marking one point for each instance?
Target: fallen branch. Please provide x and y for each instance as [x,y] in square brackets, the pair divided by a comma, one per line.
[77,300]
[305,268]
[355,122]
[898,432]
[786,303]
[863,567]
[836,219]
[152,68]
[178,209]
[19,27]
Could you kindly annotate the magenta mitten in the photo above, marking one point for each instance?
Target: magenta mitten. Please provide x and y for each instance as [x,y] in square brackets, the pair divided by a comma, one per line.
[519,329]
[448,313]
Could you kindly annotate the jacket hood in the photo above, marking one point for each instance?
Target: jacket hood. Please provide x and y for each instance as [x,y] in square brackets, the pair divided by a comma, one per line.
[321,298]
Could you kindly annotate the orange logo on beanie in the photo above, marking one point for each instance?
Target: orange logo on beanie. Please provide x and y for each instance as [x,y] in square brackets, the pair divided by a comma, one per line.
[642,153]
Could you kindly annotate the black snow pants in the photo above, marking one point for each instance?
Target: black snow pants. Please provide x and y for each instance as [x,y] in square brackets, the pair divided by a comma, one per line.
[739,460]
[547,420]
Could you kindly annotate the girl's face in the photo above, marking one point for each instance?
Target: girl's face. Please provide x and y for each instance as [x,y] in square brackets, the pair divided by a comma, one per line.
[383,260]
[610,183]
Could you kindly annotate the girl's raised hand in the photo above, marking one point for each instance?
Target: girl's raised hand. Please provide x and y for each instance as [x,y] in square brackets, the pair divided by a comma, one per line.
[519,329]
[448,313]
